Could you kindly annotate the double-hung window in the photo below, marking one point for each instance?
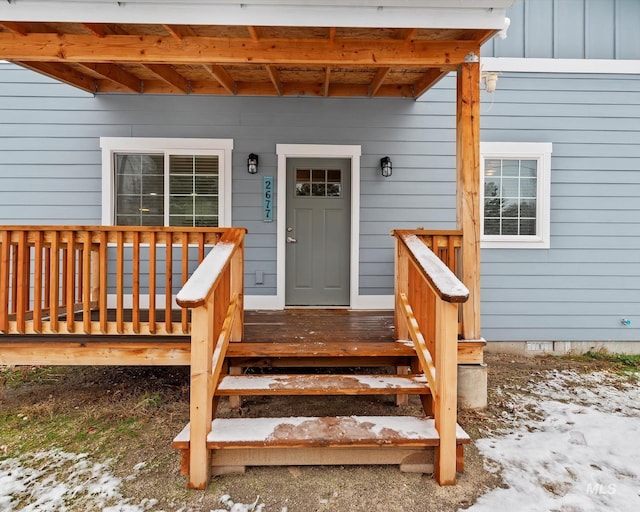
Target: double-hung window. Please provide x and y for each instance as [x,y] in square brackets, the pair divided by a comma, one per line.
[515,194]
[166,182]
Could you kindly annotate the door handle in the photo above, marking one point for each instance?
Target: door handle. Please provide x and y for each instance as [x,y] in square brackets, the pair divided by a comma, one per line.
[291,240]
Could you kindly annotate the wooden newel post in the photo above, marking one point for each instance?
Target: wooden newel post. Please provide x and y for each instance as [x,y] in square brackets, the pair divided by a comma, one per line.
[402,286]
[202,338]
[237,287]
[446,399]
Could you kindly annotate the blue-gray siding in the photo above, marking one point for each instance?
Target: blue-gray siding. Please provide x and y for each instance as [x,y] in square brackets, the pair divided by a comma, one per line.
[571,29]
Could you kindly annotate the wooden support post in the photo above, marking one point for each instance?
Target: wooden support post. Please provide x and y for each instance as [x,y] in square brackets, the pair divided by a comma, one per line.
[402,286]
[468,191]
[202,338]
[446,399]
[237,287]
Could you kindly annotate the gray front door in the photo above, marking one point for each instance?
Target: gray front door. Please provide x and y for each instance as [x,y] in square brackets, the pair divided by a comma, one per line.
[318,231]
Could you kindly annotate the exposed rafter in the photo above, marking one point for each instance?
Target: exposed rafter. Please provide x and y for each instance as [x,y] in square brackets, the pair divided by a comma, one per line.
[116,74]
[15,28]
[97,29]
[429,79]
[274,76]
[253,32]
[170,76]
[332,35]
[378,80]
[409,34]
[63,73]
[327,80]
[179,31]
[221,75]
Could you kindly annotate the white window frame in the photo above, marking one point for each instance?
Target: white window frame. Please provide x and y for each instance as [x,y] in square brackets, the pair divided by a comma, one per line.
[112,145]
[541,152]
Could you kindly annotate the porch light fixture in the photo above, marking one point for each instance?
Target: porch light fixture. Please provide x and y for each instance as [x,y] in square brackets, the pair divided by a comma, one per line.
[387,168]
[252,163]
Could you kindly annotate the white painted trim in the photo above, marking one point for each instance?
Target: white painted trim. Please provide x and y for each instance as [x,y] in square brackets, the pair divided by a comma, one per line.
[466,14]
[540,151]
[375,302]
[111,145]
[285,151]
[266,302]
[586,66]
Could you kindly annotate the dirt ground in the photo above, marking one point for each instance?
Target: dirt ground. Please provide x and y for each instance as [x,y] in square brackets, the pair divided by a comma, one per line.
[130,415]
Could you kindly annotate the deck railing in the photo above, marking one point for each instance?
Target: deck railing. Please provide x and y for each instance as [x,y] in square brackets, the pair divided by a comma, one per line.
[214,293]
[96,280]
[427,297]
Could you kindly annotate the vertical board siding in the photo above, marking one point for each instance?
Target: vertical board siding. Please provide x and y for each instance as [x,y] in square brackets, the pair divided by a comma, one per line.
[570,29]
[588,280]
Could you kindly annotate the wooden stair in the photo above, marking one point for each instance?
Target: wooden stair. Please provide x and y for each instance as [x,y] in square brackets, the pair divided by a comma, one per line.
[407,441]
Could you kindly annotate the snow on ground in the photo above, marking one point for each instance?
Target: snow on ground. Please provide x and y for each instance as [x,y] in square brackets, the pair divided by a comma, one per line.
[53,480]
[573,446]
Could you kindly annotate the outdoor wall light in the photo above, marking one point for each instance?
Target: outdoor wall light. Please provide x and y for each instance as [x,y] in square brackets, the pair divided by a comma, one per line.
[387,168]
[252,163]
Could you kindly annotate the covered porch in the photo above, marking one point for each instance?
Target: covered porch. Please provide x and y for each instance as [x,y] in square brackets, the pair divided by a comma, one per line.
[56,285]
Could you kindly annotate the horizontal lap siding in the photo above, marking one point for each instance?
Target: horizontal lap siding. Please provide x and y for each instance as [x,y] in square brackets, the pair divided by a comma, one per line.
[589,279]
[570,29]
[50,160]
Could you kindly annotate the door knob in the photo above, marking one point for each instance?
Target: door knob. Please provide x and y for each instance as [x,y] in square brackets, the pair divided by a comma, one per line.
[291,240]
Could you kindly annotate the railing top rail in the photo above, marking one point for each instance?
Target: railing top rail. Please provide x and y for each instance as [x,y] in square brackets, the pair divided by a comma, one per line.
[443,281]
[178,229]
[202,282]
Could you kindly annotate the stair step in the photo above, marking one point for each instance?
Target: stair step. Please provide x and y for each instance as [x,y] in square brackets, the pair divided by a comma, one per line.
[246,385]
[321,349]
[341,431]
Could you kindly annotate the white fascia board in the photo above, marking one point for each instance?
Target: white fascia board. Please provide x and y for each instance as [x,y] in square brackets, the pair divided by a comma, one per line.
[586,66]
[434,14]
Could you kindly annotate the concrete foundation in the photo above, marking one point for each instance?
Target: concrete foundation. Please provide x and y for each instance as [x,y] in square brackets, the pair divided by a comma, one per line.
[472,386]
[535,348]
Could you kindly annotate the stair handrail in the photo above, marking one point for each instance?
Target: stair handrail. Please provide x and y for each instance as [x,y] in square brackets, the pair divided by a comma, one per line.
[214,293]
[426,300]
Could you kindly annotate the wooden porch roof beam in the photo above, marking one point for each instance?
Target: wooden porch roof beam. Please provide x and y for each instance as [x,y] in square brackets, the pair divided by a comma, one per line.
[221,76]
[63,73]
[203,50]
[170,76]
[117,75]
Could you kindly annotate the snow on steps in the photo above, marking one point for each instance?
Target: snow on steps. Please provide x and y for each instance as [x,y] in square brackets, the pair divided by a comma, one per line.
[231,385]
[341,431]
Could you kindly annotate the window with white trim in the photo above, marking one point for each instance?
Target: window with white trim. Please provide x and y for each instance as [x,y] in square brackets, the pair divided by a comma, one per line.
[166,182]
[515,194]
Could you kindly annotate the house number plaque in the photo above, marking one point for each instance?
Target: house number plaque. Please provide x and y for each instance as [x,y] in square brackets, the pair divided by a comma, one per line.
[267,199]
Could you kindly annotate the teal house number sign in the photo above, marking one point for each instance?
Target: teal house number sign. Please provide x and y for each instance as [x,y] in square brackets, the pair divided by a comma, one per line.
[267,199]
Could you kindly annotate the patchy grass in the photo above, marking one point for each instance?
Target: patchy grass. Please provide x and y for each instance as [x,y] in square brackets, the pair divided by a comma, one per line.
[624,362]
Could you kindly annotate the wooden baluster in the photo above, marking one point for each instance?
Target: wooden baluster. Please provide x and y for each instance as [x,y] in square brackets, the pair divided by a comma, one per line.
[135,314]
[95,270]
[63,265]
[120,282]
[201,243]
[86,280]
[14,279]
[79,256]
[70,285]
[22,296]
[104,269]
[5,263]
[184,312]
[153,256]
[47,277]
[37,283]
[168,282]
[54,295]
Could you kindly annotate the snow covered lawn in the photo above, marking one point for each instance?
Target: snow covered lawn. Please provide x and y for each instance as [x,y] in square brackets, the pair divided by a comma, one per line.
[573,445]
[565,441]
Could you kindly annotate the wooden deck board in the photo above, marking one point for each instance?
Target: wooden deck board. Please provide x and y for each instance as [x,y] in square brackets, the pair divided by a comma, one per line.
[304,432]
[271,385]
